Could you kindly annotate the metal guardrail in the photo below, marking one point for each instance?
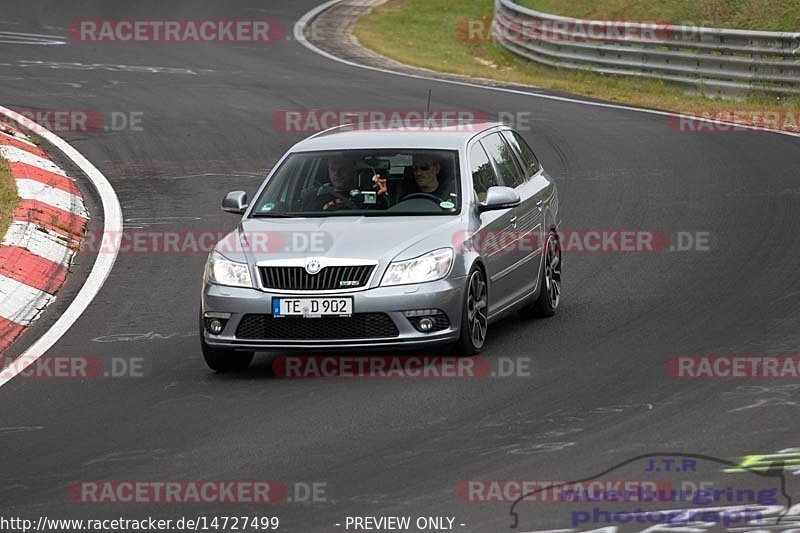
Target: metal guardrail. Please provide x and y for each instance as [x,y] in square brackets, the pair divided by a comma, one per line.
[713,60]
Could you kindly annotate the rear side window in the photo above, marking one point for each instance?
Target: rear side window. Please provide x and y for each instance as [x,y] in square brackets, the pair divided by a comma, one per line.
[529,160]
[500,153]
[482,173]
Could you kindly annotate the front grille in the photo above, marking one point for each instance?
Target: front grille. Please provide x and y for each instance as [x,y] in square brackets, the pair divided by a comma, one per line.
[358,326]
[327,279]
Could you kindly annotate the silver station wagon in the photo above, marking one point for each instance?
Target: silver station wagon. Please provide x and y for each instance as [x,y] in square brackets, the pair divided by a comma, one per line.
[384,237]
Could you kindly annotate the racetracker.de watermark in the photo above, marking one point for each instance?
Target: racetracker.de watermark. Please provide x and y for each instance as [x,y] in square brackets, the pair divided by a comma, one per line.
[195,491]
[78,120]
[400,367]
[737,367]
[177,492]
[521,241]
[734,120]
[194,242]
[49,367]
[399,120]
[176,31]
[541,491]
[516,29]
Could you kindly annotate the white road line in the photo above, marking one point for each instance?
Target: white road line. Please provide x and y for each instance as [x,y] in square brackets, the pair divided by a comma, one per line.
[112,228]
[13,37]
[21,303]
[27,235]
[27,34]
[36,190]
[24,63]
[18,155]
[306,19]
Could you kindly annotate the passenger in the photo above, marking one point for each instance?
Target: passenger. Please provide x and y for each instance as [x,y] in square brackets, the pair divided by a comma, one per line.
[429,179]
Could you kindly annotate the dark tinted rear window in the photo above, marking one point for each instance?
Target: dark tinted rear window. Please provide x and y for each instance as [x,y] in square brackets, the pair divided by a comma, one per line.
[505,161]
[524,151]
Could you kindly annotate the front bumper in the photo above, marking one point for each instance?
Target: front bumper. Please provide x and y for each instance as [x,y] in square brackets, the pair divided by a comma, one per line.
[446,295]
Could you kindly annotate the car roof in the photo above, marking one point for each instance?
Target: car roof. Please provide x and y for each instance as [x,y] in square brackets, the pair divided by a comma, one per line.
[451,136]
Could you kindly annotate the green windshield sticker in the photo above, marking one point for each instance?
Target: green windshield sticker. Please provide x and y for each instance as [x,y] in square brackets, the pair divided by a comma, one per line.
[447,205]
[268,207]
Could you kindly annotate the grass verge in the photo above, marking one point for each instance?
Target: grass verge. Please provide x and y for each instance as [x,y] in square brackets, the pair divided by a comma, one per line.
[430,34]
[8,196]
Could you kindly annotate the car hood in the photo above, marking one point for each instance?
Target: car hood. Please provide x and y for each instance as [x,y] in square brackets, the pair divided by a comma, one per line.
[381,239]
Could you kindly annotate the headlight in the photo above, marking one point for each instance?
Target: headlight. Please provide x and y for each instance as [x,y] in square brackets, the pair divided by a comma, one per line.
[429,267]
[223,271]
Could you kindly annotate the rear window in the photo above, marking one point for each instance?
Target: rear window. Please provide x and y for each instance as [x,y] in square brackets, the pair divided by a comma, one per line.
[504,160]
[524,151]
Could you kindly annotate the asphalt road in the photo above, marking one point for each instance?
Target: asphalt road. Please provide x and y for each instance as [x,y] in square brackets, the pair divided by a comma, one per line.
[598,392]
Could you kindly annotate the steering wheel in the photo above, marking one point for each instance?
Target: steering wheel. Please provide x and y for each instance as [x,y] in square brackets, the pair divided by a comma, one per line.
[423,195]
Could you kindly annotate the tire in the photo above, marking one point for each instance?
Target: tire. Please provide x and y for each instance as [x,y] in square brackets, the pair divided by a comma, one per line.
[474,314]
[550,283]
[224,359]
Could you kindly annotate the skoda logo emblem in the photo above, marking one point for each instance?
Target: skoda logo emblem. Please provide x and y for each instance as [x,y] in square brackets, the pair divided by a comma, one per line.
[313,266]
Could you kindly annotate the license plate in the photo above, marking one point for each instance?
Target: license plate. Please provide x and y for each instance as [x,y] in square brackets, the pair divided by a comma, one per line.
[312,307]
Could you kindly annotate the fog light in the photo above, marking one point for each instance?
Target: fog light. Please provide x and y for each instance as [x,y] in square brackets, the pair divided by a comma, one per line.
[425,324]
[215,321]
[427,320]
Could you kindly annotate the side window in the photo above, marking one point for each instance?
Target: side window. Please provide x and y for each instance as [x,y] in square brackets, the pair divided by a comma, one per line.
[505,162]
[482,173]
[529,160]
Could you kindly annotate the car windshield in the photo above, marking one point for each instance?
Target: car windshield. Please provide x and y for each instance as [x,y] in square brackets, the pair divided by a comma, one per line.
[363,183]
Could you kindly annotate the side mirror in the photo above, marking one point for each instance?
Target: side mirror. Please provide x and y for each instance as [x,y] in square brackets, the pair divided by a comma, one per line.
[499,198]
[235,202]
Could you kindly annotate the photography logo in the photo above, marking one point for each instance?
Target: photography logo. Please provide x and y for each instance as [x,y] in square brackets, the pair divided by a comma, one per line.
[704,493]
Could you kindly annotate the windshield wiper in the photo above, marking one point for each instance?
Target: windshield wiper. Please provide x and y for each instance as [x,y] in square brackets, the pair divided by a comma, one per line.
[272,215]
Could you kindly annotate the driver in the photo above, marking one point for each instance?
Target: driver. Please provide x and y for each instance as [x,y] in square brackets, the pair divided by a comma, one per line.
[343,191]
[427,171]
[334,195]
